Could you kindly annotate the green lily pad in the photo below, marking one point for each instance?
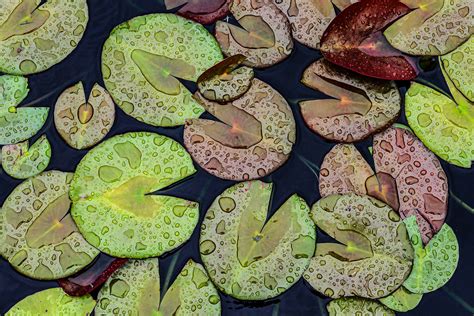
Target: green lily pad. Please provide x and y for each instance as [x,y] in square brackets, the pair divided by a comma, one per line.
[434,264]
[433,27]
[36,35]
[248,257]
[357,306]
[41,239]
[135,290]
[17,124]
[112,201]
[143,59]
[52,302]
[445,127]
[402,300]
[83,123]
[21,161]
[374,255]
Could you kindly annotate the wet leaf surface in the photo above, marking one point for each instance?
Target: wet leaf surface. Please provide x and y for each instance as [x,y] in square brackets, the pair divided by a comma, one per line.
[140,62]
[44,40]
[357,306]
[361,106]
[201,11]
[83,123]
[402,300]
[257,131]
[248,256]
[374,256]
[42,241]
[113,204]
[364,49]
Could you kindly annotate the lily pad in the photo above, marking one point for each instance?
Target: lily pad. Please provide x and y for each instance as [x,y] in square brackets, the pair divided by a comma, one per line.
[17,124]
[113,204]
[308,19]
[42,240]
[402,300]
[361,106]
[249,257]
[264,34]
[445,127]
[52,302]
[36,35]
[374,255]
[255,136]
[83,123]
[364,49]
[432,27]
[21,161]
[135,290]
[201,11]
[434,265]
[225,82]
[142,60]
[357,306]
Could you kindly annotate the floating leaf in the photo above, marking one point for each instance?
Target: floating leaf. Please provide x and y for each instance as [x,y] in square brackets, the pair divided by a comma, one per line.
[432,27]
[357,306]
[257,132]
[34,35]
[201,11]
[83,123]
[308,19]
[21,161]
[42,241]
[264,35]
[362,106]
[113,204]
[383,187]
[248,257]
[434,264]
[17,124]
[374,255]
[355,41]
[52,302]
[224,82]
[402,300]
[89,280]
[145,50]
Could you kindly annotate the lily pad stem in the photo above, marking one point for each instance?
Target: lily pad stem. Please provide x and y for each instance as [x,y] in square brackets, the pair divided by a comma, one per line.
[170,271]
[461,202]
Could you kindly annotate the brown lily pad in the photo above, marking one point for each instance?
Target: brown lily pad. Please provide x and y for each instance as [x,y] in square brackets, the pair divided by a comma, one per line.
[225,82]
[201,11]
[308,19]
[255,136]
[264,35]
[383,187]
[83,123]
[361,106]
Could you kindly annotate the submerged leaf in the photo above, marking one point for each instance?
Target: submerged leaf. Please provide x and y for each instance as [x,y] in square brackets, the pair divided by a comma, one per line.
[53,302]
[402,300]
[257,132]
[357,306]
[42,241]
[83,123]
[113,204]
[248,257]
[141,59]
[375,255]
[361,106]
[201,11]
[33,35]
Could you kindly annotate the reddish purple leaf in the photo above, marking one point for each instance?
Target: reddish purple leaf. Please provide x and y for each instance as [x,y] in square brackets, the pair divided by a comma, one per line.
[354,40]
[201,11]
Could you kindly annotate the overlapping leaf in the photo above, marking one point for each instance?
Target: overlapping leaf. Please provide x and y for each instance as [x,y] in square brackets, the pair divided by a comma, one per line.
[201,11]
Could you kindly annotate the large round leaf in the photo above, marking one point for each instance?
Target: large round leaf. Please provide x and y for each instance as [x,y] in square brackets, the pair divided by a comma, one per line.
[357,306]
[402,300]
[41,239]
[142,60]
[374,255]
[52,302]
[52,31]
[255,136]
[248,257]
[432,27]
[113,204]
[361,106]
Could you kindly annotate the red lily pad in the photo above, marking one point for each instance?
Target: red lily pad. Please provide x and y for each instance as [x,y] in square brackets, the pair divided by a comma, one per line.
[92,278]
[354,40]
[201,11]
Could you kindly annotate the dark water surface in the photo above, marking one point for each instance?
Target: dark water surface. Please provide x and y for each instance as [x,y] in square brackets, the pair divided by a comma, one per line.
[298,175]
